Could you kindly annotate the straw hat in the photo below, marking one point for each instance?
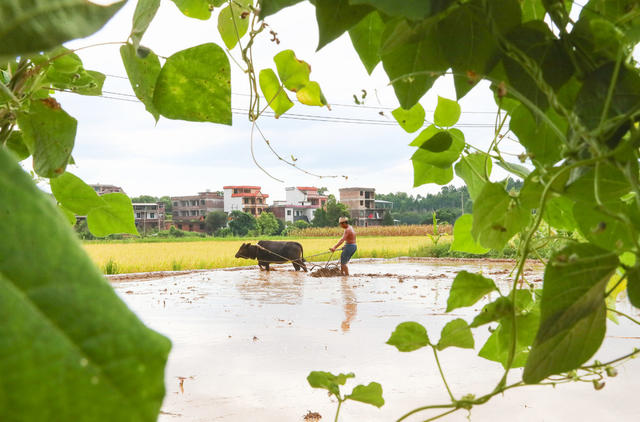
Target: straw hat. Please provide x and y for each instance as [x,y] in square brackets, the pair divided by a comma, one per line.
[343,220]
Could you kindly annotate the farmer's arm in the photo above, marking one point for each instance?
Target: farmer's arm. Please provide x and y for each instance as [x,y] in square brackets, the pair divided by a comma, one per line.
[339,242]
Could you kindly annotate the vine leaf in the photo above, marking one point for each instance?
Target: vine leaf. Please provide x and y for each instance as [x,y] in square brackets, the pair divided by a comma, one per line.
[142,17]
[467,289]
[328,381]
[612,186]
[269,7]
[423,172]
[425,134]
[273,92]
[293,73]
[195,85]
[497,216]
[39,25]
[143,74]
[412,66]
[447,112]
[49,133]
[573,313]
[106,214]
[16,145]
[93,362]
[410,9]
[197,9]
[633,286]
[335,17]
[312,95]
[601,229]
[493,311]
[456,334]
[410,120]
[462,239]
[366,38]
[432,163]
[542,143]
[498,345]
[232,26]
[370,394]
[471,169]
[409,336]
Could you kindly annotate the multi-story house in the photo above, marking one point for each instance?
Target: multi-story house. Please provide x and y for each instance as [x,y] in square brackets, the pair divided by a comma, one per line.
[189,212]
[149,216]
[248,199]
[102,189]
[301,203]
[362,206]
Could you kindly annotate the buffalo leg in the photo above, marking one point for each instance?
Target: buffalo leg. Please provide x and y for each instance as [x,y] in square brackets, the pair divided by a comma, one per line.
[295,265]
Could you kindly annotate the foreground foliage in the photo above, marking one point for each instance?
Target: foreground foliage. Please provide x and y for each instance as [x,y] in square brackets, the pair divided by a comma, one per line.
[566,85]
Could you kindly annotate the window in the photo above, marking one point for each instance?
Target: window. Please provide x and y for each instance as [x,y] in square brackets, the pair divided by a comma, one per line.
[175,203]
[361,202]
[138,215]
[360,193]
[194,212]
[152,215]
[202,212]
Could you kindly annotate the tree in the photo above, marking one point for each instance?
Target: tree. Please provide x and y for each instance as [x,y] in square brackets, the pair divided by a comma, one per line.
[241,223]
[267,223]
[215,220]
[328,215]
[387,219]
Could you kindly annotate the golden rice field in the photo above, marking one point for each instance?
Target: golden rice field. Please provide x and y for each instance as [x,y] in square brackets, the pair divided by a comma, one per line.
[118,258]
[405,230]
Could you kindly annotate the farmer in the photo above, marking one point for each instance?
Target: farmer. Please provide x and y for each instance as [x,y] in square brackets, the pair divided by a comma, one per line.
[349,248]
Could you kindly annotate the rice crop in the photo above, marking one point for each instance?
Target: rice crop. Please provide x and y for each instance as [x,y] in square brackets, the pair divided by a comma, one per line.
[405,230]
[172,256]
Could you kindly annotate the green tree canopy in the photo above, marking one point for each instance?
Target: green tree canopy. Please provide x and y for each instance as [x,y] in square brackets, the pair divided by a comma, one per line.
[215,220]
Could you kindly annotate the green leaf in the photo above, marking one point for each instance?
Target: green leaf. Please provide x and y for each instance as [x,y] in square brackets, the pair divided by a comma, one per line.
[467,289]
[198,9]
[456,334]
[366,38]
[63,327]
[195,85]
[412,66]
[423,172]
[269,7]
[16,145]
[447,112]
[311,95]
[370,394]
[439,151]
[410,120]
[426,134]
[633,286]
[273,93]
[39,25]
[602,229]
[559,213]
[328,381]
[49,133]
[471,169]
[498,345]
[115,216]
[532,10]
[542,143]
[70,216]
[335,17]
[410,9]
[573,317]
[142,17]
[74,194]
[497,216]
[231,25]
[513,168]
[612,184]
[293,73]
[64,61]
[143,74]
[462,239]
[409,336]
[493,311]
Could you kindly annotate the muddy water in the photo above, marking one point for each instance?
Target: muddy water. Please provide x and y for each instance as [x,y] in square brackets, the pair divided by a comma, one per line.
[244,342]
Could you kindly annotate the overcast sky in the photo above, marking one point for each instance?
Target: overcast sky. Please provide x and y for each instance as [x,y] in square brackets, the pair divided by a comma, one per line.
[119,143]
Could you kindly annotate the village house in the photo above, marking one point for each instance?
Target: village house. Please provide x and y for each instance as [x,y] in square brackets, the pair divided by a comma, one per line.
[189,212]
[301,203]
[102,189]
[363,209]
[149,216]
[247,199]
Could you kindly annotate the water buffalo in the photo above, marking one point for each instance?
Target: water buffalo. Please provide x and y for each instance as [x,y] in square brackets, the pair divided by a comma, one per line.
[269,251]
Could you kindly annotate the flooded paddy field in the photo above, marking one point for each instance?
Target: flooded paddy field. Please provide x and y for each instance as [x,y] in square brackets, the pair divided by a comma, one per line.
[245,340]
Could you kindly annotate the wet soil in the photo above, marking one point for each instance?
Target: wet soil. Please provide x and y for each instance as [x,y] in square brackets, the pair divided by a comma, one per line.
[244,341]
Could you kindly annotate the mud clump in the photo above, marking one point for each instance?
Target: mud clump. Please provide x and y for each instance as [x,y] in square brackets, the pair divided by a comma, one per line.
[312,416]
[326,272]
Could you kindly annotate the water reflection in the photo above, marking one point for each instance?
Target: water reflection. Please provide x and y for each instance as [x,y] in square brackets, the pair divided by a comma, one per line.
[271,286]
[350,304]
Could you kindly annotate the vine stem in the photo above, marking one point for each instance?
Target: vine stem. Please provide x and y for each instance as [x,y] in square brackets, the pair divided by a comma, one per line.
[442,415]
[435,354]
[628,355]
[622,314]
[612,85]
[338,410]
[420,409]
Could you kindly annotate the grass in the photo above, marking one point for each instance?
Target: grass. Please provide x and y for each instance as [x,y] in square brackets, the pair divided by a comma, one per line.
[130,257]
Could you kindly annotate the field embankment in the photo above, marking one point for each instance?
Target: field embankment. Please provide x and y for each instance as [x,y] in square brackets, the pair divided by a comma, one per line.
[413,230]
[118,258]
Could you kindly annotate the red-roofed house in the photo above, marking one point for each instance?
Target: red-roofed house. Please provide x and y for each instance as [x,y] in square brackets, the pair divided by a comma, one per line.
[248,199]
[301,203]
